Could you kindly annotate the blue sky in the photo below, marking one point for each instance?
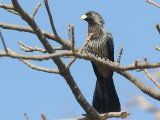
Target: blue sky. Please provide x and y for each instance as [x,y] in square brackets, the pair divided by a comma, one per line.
[22,89]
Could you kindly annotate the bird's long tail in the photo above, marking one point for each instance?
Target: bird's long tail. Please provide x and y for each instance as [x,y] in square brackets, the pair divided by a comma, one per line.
[105,98]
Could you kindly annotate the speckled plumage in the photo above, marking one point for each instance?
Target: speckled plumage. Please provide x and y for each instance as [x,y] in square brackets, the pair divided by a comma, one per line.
[99,48]
[105,98]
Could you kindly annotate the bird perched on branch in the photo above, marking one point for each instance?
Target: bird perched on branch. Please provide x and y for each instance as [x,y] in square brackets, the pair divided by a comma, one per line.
[105,98]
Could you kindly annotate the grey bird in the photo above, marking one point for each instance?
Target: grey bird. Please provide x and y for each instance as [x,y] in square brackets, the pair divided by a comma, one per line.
[105,98]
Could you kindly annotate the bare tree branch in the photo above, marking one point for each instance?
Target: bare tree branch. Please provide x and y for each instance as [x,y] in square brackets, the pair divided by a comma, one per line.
[69,32]
[158,28]
[43,116]
[115,114]
[153,3]
[12,11]
[26,116]
[3,42]
[11,53]
[9,8]
[68,65]
[38,32]
[38,68]
[92,113]
[48,35]
[73,41]
[119,55]
[104,116]
[140,65]
[151,78]
[35,67]
[27,48]
[71,28]
[50,18]
[4,6]
[113,66]
[35,10]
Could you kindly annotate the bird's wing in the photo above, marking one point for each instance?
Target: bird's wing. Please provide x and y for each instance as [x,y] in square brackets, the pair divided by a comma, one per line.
[110,46]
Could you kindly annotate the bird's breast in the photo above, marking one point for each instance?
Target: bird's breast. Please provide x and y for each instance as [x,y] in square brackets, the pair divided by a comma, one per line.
[98,47]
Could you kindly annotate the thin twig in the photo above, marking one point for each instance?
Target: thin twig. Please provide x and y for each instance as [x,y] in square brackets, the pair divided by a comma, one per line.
[68,65]
[3,42]
[9,8]
[136,63]
[69,32]
[35,67]
[73,40]
[71,28]
[38,68]
[158,28]
[4,6]
[40,49]
[86,42]
[35,10]
[26,116]
[12,11]
[27,48]
[153,3]
[151,78]
[140,65]
[33,49]
[157,48]
[48,35]
[43,116]
[145,59]
[119,55]
[59,48]
[50,17]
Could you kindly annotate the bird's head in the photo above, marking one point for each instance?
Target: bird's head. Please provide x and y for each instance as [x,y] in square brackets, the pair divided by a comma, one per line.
[93,18]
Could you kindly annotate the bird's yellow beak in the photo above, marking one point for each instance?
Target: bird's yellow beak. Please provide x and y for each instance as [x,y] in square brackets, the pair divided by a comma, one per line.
[83,17]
